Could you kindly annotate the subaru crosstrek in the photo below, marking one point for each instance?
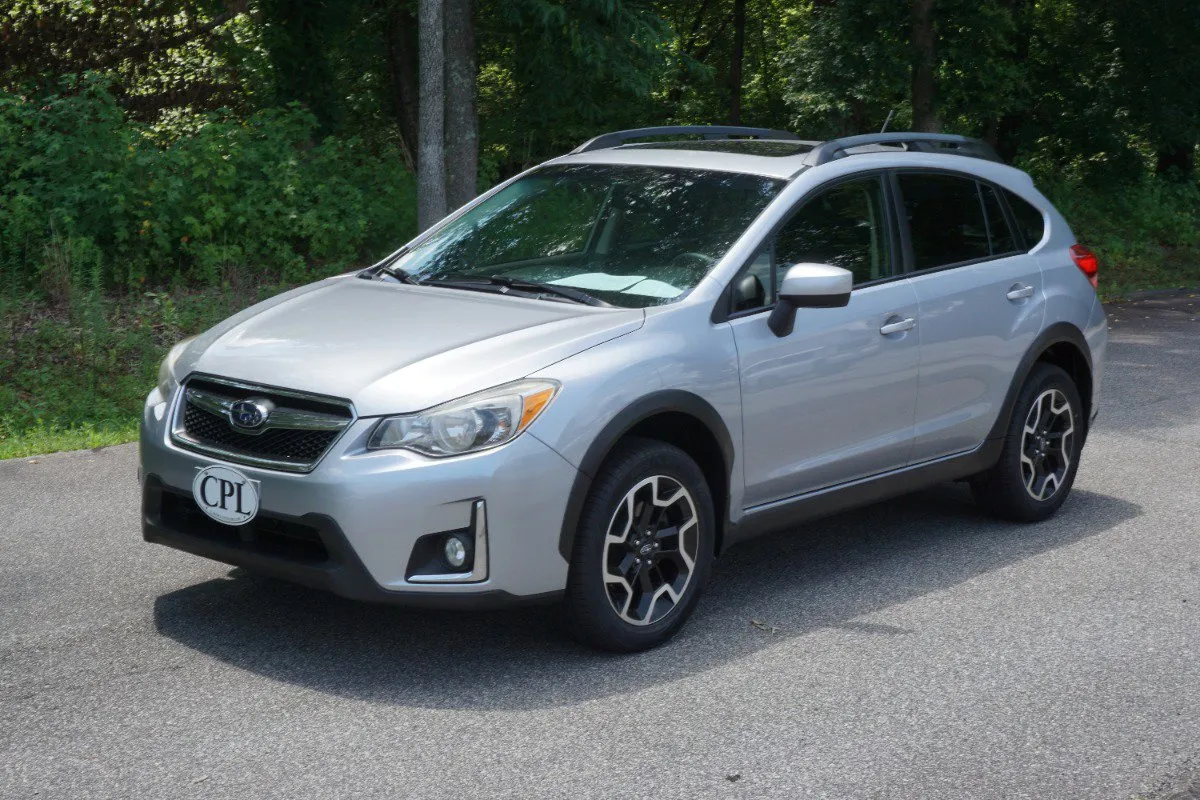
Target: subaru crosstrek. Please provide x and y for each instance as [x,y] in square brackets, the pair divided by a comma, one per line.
[592,380]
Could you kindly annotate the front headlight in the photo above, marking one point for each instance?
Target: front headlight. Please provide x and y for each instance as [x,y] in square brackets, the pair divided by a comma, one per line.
[478,422]
[167,382]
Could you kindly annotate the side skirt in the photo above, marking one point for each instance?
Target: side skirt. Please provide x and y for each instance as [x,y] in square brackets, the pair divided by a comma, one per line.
[785,513]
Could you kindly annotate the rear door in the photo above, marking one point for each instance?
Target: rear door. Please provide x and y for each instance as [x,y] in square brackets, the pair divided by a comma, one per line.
[981,305]
[833,400]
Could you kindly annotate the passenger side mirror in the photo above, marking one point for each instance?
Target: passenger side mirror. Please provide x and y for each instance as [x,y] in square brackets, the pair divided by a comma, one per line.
[809,286]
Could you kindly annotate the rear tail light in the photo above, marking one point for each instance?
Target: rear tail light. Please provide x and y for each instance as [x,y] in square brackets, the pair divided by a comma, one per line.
[1087,262]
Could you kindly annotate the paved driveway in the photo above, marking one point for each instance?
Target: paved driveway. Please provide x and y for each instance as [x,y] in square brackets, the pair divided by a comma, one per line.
[913,649]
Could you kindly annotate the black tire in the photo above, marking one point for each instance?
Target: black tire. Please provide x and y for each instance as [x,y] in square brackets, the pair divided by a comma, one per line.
[1007,489]
[591,599]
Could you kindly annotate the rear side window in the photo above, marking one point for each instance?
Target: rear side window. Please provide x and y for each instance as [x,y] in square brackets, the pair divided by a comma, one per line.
[1030,221]
[1001,236]
[945,219]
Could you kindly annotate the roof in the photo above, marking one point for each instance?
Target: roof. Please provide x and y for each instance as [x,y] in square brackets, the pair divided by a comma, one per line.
[758,151]
[720,160]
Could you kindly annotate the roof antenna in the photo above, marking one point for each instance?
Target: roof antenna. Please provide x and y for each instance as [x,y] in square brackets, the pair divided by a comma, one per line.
[887,121]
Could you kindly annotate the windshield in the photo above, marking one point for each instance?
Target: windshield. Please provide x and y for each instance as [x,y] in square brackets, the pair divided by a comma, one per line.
[628,235]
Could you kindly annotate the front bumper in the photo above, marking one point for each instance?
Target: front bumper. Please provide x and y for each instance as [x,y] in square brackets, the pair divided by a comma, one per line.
[350,525]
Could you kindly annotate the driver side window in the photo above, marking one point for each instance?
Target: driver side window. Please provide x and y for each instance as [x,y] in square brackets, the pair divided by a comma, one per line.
[844,226]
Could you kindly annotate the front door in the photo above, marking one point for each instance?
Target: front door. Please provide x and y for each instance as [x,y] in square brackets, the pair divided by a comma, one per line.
[834,400]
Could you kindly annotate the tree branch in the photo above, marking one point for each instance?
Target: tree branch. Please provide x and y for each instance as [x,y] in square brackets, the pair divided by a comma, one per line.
[158,42]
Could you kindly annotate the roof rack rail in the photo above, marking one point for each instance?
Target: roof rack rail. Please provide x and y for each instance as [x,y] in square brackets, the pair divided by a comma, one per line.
[617,138]
[921,142]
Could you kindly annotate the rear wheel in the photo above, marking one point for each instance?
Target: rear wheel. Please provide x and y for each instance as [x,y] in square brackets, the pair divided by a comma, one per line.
[643,549]
[1041,450]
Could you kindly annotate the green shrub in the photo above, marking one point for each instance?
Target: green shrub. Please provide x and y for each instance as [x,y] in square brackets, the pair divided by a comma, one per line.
[117,239]
[1146,233]
[118,204]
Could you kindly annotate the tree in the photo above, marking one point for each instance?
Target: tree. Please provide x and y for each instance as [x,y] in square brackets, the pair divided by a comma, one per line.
[558,71]
[156,55]
[400,28]
[431,119]
[1159,77]
[462,122]
[849,65]
[297,38]
[735,62]
[1005,131]
[924,91]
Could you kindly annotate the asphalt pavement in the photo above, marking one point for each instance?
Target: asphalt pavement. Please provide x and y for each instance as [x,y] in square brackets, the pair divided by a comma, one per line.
[913,649]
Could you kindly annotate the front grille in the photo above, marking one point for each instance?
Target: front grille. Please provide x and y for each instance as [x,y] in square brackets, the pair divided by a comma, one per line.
[299,447]
[299,430]
[264,535]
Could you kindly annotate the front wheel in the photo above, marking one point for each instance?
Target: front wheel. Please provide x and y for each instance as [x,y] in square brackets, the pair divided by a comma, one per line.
[643,549]
[1041,450]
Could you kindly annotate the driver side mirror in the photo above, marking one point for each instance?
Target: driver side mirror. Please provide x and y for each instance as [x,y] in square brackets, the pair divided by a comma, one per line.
[809,286]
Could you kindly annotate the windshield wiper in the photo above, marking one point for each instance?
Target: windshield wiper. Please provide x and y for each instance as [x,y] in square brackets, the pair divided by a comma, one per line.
[395,273]
[568,292]
[522,285]
[398,274]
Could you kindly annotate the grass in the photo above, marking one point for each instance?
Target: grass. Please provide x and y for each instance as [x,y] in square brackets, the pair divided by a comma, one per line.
[78,370]
[43,439]
[1147,235]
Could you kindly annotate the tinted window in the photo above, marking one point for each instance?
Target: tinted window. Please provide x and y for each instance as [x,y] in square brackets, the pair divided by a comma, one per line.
[945,219]
[1030,222]
[999,233]
[843,226]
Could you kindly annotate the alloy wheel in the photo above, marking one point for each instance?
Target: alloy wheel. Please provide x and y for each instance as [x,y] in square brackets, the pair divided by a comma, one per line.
[650,550]
[1047,444]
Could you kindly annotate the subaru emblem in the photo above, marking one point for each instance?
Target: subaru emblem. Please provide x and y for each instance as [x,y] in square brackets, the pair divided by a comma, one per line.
[251,413]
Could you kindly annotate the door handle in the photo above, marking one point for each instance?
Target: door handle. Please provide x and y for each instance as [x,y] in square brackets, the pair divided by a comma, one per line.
[899,326]
[1019,291]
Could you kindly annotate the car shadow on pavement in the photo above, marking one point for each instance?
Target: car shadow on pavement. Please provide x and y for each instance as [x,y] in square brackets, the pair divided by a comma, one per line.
[830,574]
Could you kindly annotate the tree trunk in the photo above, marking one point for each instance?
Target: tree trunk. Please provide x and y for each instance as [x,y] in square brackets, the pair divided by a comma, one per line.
[431,123]
[923,90]
[462,126]
[402,75]
[735,62]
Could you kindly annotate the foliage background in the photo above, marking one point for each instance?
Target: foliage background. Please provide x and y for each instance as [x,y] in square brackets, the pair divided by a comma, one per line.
[166,162]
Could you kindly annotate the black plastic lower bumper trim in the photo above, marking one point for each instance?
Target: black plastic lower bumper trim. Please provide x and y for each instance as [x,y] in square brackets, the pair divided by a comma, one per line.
[338,569]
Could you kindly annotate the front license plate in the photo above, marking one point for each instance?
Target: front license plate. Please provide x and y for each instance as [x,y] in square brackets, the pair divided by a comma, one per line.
[226,495]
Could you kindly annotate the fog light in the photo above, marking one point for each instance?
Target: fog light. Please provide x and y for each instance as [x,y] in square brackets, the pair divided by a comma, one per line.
[455,552]
[455,556]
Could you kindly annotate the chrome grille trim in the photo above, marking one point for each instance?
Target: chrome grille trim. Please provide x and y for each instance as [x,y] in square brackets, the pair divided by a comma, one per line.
[282,418]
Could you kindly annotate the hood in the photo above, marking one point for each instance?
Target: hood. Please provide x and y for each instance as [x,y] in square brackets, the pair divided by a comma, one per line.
[394,348]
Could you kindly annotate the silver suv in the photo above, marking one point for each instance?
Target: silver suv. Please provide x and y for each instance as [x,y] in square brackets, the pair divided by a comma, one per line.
[593,380]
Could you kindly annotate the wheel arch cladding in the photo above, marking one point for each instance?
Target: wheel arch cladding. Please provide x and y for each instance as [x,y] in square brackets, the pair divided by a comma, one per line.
[1071,359]
[676,417]
[1063,345]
